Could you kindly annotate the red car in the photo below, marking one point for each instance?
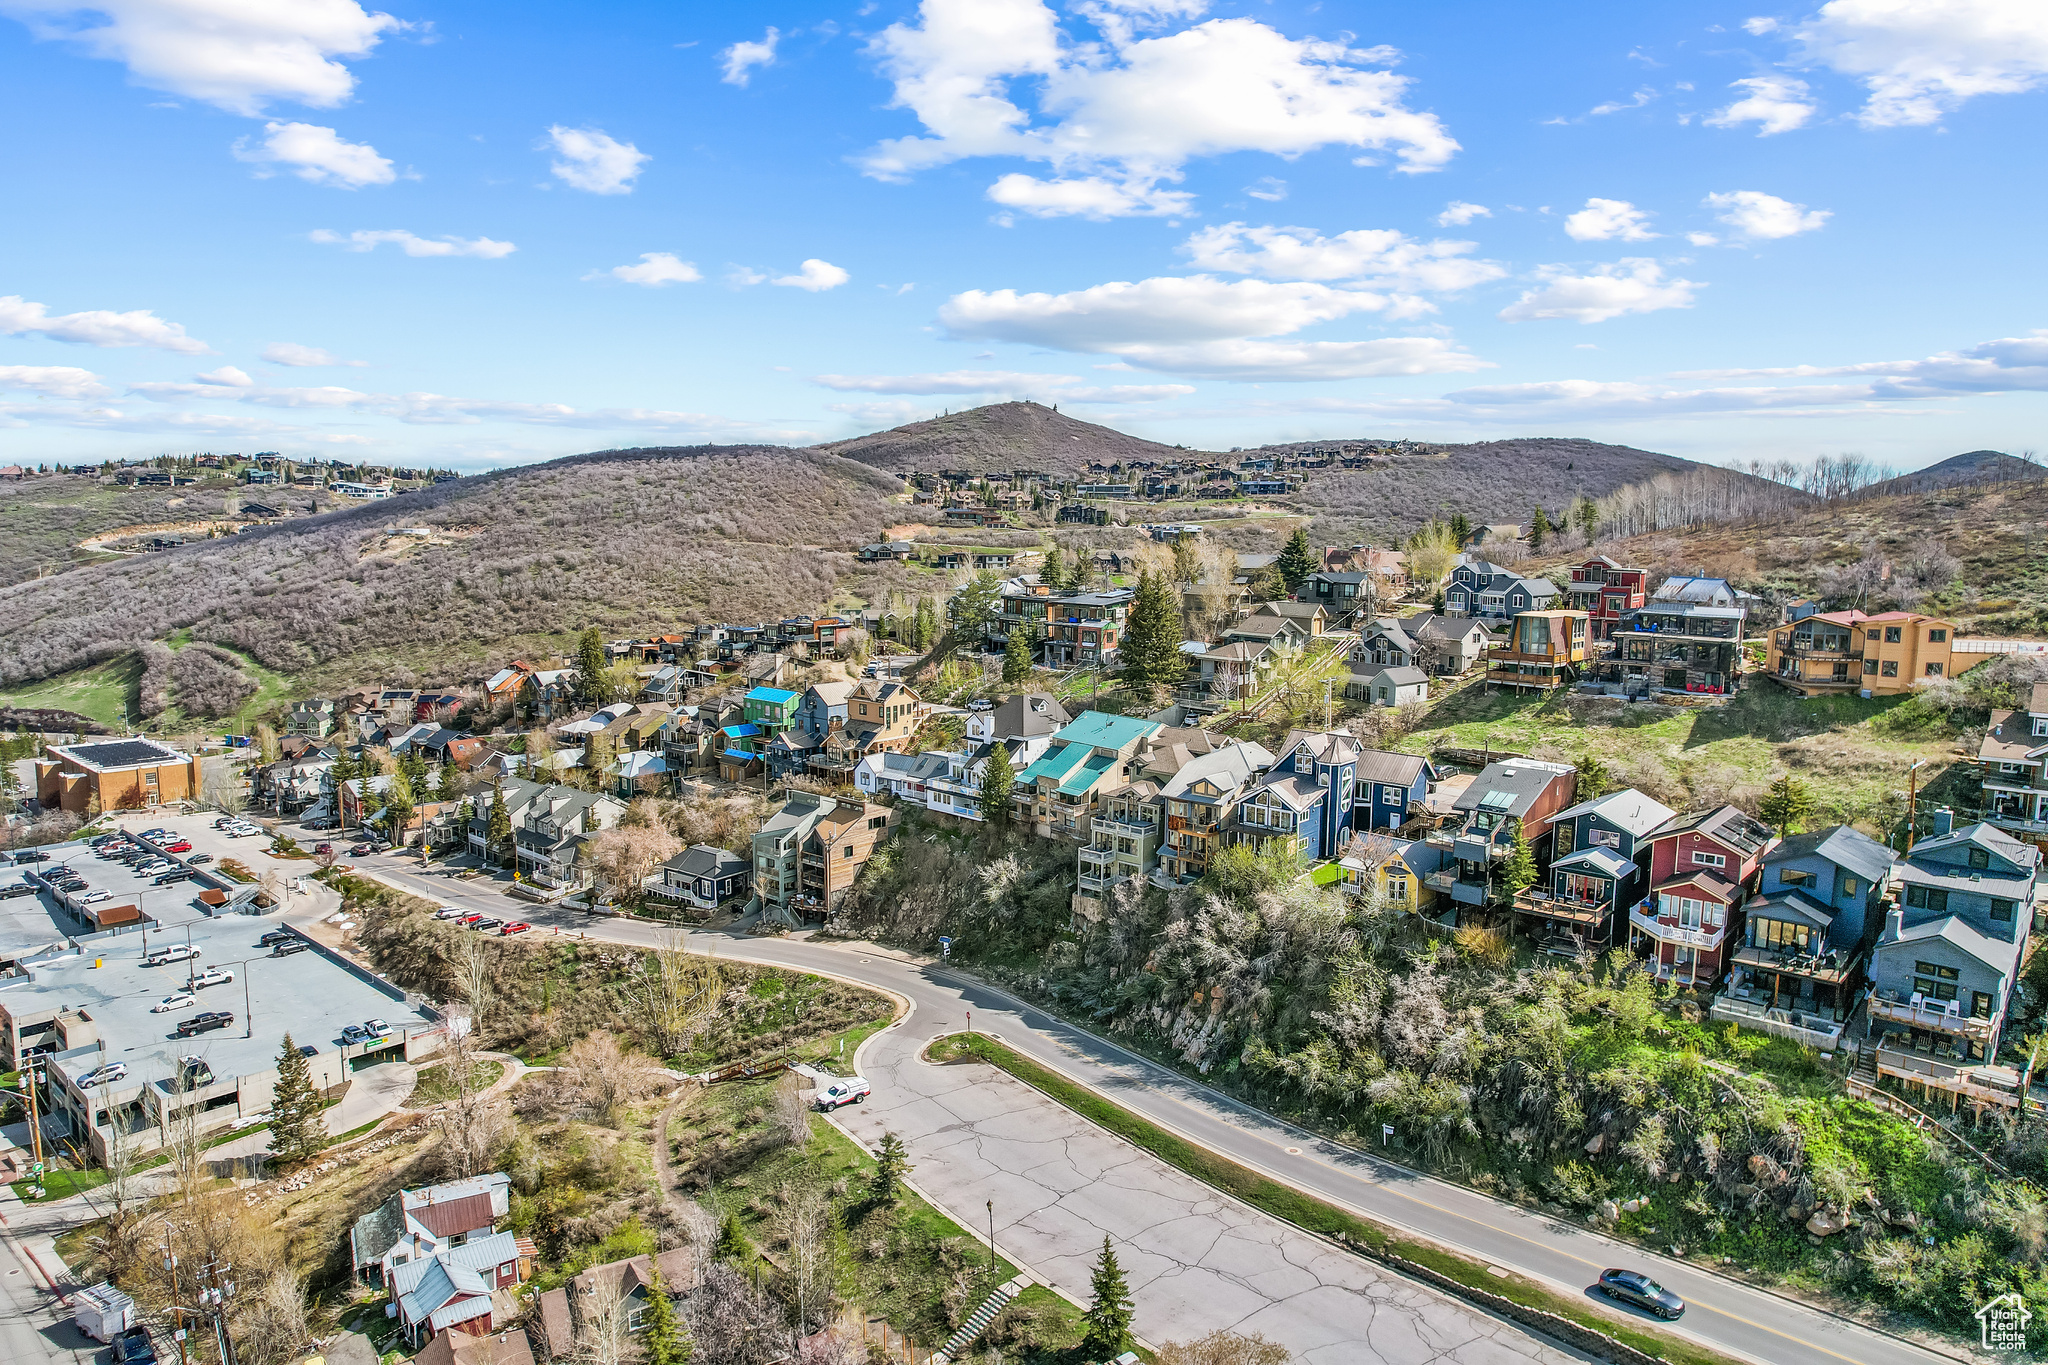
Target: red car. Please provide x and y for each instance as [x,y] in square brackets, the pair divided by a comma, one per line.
[182,846]
[517,928]
[323,849]
[467,920]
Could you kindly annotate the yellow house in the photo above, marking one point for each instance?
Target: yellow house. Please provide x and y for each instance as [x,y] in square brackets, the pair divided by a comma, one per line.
[1846,651]
[1402,874]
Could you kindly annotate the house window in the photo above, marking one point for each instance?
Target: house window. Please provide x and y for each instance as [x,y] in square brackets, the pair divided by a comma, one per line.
[1891,635]
[878,822]
[1934,670]
[1710,859]
[2012,767]
[2041,725]
[1933,898]
[1397,888]
[1934,981]
[1848,886]
[1937,637]
[1980,858]
[1783,936]
[1792,876]
[1890,668]
[2002,911]
[1980,1004]
[1870,666]
[846,852]
[1564,839]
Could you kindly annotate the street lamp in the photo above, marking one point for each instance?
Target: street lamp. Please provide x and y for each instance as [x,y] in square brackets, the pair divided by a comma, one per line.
[991,1236]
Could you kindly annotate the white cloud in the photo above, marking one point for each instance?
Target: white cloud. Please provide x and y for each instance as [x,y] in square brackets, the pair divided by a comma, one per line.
[741,58]
[656,268]
[1133,110]
[291,353]
[1607,220]
[1203,327]
[1635,284]
[1760,26]
[1124,393]
[1765,216]
[317,154]
[1089,196]
[52,381]
[412,245]
[1777,104]
[1270,188]
[227,376]
[1921,58]
[1058,388]
[237,54]
[814,275]
[1381,257]
[1642,97]
[98,327]
[1457,213]
[2006,365]
[1702,239]
[593,160]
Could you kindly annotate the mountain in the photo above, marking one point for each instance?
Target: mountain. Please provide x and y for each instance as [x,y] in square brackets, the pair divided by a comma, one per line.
[1001,436]
[1971,467]
[469,573]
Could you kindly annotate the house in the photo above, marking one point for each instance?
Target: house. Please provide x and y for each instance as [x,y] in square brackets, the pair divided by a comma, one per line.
[703,879]
[1441,645]
[1230,672]
[1497,531]
[1034,716]
[1599,868]
[1944,972]
[420,1222]
[2009,768]
[569,1314]
[1306,798]
[1606,591]
[549,692]
[809,852]
[668,683]
[454,1289]
[1488,591]
[1705,592]
[1400,870]
[1676,646]
[1389,568]
[509,1347]
[771,709]
[881,717]
[1283,635]
[1164,823]
[1846,651]
[906,777]
[115,774]
[1251,566]
[1509,798]
[1703,868]
[314,718]
[550,825]
[1392,685]
[504,686]
[885,550]
[640,773]
[1343,594]
[1388,785]
[1067,629]
[1543,651]
[1818,908]
[1095,753]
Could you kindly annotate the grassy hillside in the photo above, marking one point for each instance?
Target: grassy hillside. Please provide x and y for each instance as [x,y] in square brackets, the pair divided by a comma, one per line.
[1001,436]
[43,519]
[624,540]
[1971,467]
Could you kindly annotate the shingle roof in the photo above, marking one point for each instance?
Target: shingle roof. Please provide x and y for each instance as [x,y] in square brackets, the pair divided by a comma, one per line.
[1385,766]
[1994,953]
[1604,860]
[1628,809]
[1848,849]
[1521,779]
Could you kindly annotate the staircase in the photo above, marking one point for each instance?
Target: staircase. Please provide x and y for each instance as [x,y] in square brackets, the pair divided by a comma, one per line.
[1865,1074]
[971,1330]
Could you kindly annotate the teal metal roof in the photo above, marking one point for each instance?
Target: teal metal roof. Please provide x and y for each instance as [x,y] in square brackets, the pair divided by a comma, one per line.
[1055,763]
[1101,730]
[775,696]
[1088,774]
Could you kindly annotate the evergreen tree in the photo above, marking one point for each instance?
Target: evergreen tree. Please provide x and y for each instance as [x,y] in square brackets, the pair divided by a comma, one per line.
[498,830]
[663,1340]
[414,766]
[1518,872]
[593,682]
[1587,516]
[1017,655]
[732,1240]
[399,806]
[1461,527]
[295,1130]
[1053,573]
[925,627]
[550,1235]
[998,777]
[1108,1317]
[1152,636]
[975,605]
[1297,559]
[1539,527]
[892,1163]
[1787,805]
[448,783]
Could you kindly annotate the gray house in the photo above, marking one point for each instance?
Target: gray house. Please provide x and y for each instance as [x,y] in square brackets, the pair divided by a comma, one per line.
[1490,592]
[1443,645]
[703,879]
[1943,972]
[1599,867]
[1392,685]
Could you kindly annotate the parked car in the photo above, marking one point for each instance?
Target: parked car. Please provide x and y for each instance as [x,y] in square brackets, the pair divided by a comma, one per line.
[359,851]
[205,1023]
[173,1002]
[450,912]
[297,945]
[31,855]
[369,1031]
[180,874]
[182,846]
[224,821]
[275,937]
[9,892]
[134,1347]
[212,976]
[516,927]
[845,1090]
[1635,1288]
[471,918]
[323,849]
[102,1075]
[981,704]
[486,924]
[177,952]
[94,897]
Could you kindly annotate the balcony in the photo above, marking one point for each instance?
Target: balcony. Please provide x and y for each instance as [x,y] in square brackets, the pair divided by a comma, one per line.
[1998,1085]
[1568,910]
[1936,1016]
[1814,1030]
[1135,829]
[1442,838]
[1101,857]
[1826,969]
[1095,884]
[1441,881]
[1705,939]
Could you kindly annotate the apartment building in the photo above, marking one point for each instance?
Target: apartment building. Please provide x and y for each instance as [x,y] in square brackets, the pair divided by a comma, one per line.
[1847,651]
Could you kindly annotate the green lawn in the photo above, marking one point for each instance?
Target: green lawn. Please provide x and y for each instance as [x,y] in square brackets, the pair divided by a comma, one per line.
[104,692]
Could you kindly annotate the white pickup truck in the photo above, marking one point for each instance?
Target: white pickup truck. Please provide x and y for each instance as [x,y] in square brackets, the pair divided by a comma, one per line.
[842,1090]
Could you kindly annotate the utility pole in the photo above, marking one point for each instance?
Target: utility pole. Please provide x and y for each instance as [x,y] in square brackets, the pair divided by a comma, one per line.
[171,1265]
[1912,803]
[29,1076]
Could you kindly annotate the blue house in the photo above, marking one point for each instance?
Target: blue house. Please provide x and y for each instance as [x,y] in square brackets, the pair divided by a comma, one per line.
[1487,590]
[1306,798]
[1943,973]
[1599,866]
[1388,784]
[1818,905]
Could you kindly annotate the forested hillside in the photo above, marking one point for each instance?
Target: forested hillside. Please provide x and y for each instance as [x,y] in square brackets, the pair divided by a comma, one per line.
[624,540]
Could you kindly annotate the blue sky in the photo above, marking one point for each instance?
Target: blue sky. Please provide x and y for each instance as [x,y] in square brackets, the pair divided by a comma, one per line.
[475,234]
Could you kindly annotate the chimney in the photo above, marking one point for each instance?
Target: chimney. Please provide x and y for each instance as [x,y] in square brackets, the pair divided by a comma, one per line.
[1894,924]
[1943,821]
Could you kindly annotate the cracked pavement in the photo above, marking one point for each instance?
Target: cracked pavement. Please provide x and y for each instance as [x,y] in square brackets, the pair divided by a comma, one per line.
[1196,1259]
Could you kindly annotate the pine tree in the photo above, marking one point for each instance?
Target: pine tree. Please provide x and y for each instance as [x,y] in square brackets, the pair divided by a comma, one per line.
[498,830]
[399,805]
[663,1340]
[1108,1317]
[998,778]
[1539,527]
[1461,527]
[892,1163]
[732,1240]
[1152,636]
[448,783]
[295,1130]
[1588,518]
[414,766]
[1787,805]
[1017,655]
[1053,573]
[1297,559]
[593,682]
[1518,872]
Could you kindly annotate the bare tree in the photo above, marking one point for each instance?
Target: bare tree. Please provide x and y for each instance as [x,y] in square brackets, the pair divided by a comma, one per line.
[1224,1347]
[676,993]
[730,1323]
[605,1329]
[271,1326]
[602,1076]
[475,1122]
[803,1226]
[623,856]
[474,980]
[792,1111]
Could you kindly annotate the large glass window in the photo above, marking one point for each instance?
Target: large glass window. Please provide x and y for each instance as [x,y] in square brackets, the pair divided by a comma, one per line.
[1933,898]
[1783,936]
[1934,981]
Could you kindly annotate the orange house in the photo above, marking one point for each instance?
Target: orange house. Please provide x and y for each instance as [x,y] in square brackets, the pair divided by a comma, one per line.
[120,774]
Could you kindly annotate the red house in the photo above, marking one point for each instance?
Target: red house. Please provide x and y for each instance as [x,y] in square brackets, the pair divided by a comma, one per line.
[1702,868]
[1604,590]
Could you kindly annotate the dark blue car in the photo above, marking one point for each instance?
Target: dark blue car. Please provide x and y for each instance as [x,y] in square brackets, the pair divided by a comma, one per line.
[1639,1290]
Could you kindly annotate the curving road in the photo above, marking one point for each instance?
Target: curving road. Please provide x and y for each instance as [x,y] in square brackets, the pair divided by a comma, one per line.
[934,1116]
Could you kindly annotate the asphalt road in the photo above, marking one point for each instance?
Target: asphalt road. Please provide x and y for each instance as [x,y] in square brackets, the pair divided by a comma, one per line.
[1723,1313]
